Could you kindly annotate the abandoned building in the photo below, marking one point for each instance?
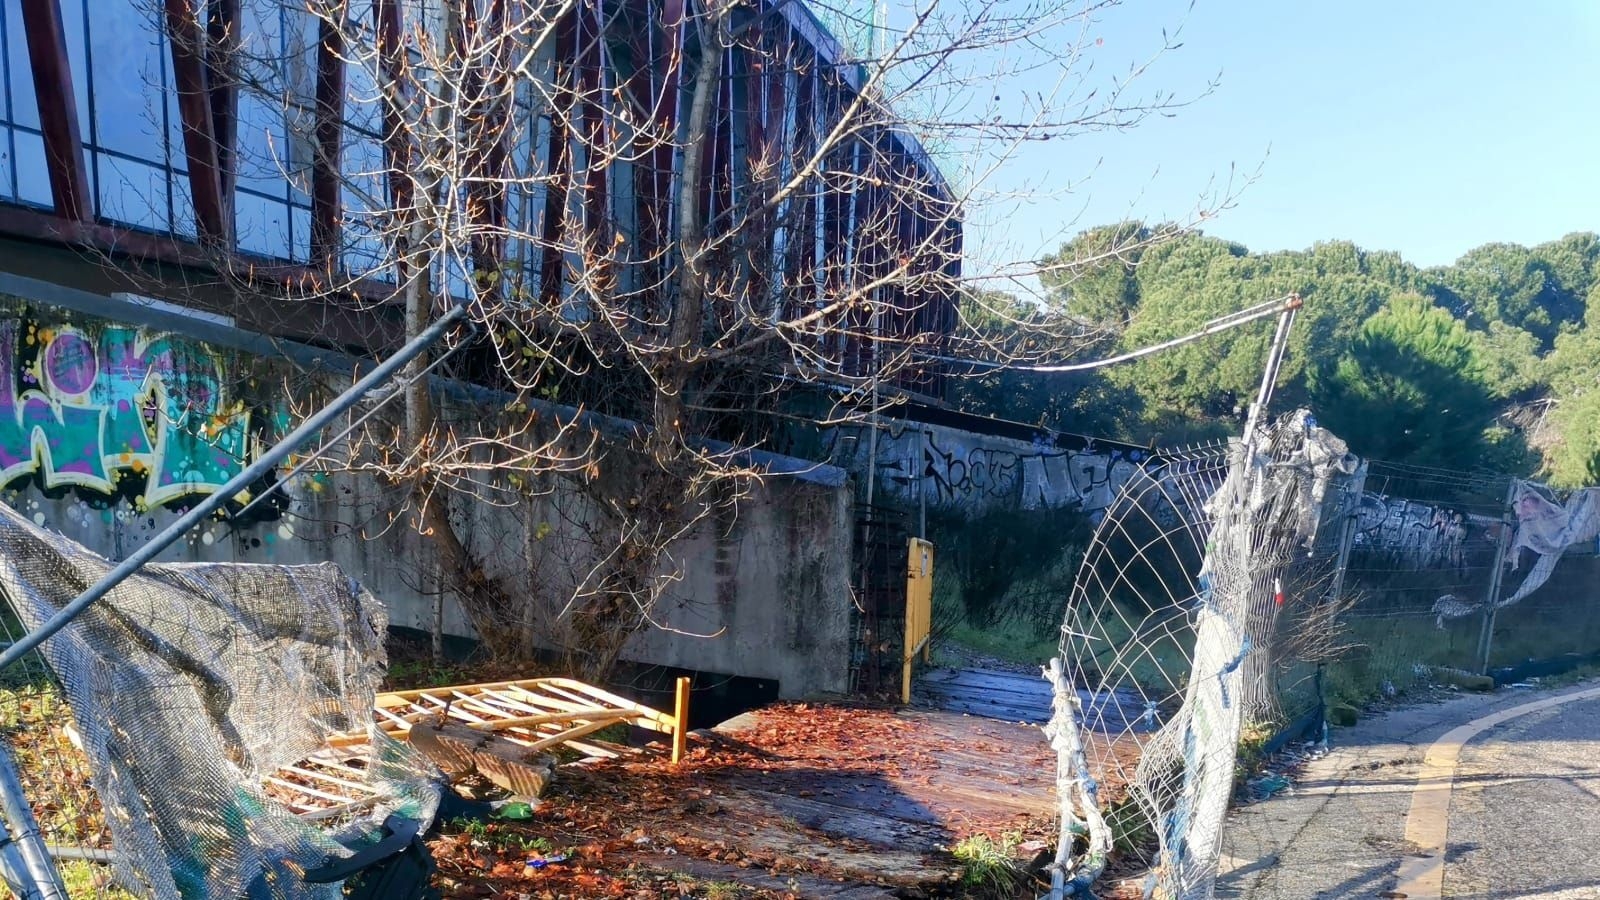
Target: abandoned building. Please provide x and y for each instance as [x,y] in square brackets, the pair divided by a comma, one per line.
[169,229]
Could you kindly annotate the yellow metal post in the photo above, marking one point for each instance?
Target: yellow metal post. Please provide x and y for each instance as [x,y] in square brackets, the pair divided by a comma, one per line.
[680,720]
[919,609]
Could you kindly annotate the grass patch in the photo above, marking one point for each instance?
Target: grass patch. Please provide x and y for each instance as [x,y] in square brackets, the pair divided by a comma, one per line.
[1252,753]
[721,890]
[1572,676]
[1009,640]
[90,881]
[987,865]
[504,836]
[1131,832]
[416,674]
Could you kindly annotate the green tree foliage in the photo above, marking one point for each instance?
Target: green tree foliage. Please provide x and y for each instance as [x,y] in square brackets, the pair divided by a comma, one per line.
[1492,362]
[1409,387]
[1190,281]
[1512,284]
[1090,278]
[1575,460]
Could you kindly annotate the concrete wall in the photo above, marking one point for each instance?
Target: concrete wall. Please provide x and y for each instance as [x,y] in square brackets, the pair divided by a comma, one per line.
[114,415]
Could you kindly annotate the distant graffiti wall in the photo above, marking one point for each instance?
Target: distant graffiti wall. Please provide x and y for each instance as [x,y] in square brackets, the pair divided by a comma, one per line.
[955,469]
[1423,535]
[117,414]
[950,468]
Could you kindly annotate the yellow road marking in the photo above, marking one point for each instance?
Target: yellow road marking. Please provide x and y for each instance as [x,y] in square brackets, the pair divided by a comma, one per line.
[1428,822]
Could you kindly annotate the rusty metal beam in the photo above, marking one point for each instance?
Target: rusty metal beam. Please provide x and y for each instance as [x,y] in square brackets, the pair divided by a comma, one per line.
[486,166]
[559,165]
[287,300]
[222,48]
[188,41]
[398,150]
[58,112]
[591,96]
[326,212]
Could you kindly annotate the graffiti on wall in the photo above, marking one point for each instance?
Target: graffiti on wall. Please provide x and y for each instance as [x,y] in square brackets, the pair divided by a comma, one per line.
[959,473]
[951,468]
[120,414]
[1425,536]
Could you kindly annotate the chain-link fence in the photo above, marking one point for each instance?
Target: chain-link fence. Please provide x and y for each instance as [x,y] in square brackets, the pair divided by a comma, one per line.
[1424,559]
[1195,627]
[1453,575]
[1233,595]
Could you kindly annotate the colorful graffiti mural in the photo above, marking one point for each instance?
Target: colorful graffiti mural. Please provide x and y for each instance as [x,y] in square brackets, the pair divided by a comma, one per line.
[120,414]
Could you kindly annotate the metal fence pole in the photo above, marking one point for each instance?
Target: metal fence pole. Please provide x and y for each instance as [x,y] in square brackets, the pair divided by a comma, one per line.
[26,859]
[1354,488]
[1486,637]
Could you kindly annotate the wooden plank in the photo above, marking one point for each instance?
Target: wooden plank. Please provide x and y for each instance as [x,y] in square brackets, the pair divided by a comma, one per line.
[308,790]
[323,776]
[476,687]
[335,811]
[509,703]
[642,716]
[579,731]
[605,717]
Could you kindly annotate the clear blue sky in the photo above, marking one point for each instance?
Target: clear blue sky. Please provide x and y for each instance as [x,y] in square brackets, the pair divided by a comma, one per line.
[1424,127]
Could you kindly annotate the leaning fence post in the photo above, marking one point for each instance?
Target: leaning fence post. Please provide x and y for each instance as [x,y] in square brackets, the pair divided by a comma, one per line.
[1486,637]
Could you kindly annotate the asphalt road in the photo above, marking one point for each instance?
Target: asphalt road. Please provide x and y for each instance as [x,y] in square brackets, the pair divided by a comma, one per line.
[1523,813]
[1525,810]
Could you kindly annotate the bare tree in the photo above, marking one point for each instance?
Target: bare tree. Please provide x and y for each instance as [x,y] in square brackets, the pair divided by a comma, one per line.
[679,224]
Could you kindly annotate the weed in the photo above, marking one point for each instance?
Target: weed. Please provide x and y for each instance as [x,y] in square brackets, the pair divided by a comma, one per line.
[1130,830]
[720,890]
[477,829]
[987,867]
[413,674]
[1252,746]
[536,844]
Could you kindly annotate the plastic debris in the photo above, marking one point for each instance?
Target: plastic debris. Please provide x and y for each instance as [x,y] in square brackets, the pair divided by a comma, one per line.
[513,809]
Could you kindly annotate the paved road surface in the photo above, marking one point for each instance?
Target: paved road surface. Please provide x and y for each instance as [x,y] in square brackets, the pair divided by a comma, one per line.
[1523,813]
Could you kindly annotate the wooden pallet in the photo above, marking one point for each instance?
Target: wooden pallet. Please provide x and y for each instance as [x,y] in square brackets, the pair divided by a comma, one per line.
[328,784]
[536,713]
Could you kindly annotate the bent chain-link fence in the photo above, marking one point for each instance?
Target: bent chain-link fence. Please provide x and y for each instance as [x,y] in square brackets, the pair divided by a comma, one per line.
[1232,599]
[1180,638]
[152,735]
